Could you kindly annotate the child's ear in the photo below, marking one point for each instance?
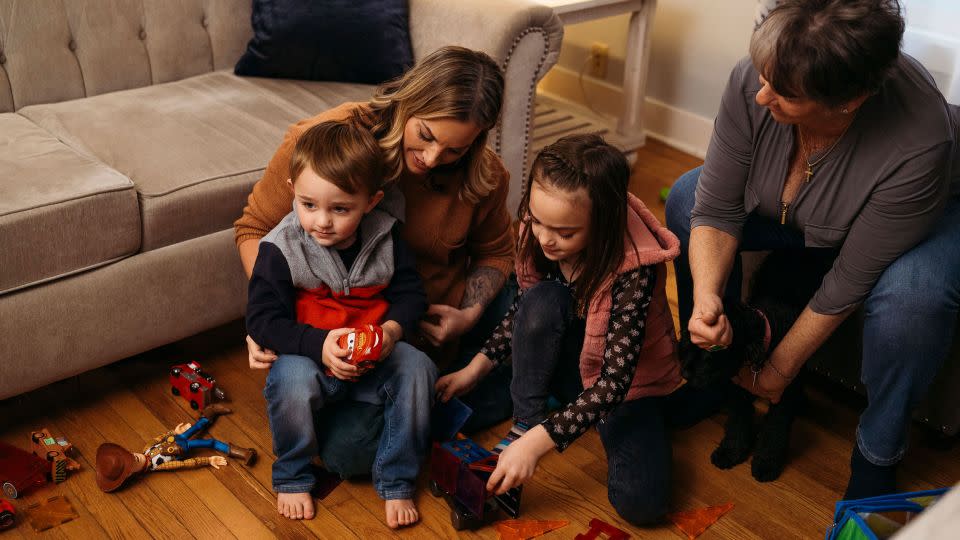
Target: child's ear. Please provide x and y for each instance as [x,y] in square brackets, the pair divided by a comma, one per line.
[374,201]
[290,183]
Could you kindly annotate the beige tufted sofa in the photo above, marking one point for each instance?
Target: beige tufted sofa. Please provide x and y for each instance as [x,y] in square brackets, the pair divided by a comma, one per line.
[127,149]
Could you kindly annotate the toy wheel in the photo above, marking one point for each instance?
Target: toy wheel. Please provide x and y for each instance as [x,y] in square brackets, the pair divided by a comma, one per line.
[194,405]
[458,520]
[195,387]
[6,519]
[10,490]
[462,519]
[175,372]
[435,489]
[175,390]
[51,455]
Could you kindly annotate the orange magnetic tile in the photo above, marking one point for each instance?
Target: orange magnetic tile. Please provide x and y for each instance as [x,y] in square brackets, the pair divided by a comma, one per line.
[694,522]
[524,529]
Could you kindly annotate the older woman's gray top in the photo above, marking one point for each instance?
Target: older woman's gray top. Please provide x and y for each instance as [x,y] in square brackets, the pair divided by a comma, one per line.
[876,195]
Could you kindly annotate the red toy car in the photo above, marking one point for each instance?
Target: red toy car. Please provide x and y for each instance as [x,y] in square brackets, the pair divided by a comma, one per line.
[7,513]
[195,385]
[20,470]
[365,344]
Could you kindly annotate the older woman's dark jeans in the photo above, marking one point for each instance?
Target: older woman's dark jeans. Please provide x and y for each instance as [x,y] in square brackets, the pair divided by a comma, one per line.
[909,316]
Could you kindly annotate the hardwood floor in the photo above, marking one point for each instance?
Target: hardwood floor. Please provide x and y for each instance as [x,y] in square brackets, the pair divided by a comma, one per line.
[130,402]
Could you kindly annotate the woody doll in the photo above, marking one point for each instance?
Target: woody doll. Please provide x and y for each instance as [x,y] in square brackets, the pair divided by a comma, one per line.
[116,464]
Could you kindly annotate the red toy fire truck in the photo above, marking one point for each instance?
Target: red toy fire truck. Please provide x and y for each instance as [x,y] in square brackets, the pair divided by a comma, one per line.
[20,470]
[195,385]
[7,514]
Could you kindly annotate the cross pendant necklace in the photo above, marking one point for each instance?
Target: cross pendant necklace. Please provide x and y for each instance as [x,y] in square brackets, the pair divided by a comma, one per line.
[812,164]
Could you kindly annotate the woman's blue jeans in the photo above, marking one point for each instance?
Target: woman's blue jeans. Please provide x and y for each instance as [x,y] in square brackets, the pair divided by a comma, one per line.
[297,389]
[909,316]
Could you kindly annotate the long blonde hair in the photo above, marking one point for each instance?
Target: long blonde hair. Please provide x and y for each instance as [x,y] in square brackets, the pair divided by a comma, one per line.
[451,82]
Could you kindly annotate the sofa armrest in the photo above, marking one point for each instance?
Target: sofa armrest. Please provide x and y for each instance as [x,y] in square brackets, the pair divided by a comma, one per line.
[522,35]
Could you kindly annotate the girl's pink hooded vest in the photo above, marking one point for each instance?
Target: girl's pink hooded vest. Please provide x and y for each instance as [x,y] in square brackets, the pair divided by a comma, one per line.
[658,371]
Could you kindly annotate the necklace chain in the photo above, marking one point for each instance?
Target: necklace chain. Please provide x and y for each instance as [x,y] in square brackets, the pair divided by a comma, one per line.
[806,159]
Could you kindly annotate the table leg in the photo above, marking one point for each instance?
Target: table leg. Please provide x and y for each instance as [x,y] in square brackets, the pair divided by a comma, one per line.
[636,63]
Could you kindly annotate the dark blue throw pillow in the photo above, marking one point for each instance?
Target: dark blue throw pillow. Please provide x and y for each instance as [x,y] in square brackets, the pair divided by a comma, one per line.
[365,41]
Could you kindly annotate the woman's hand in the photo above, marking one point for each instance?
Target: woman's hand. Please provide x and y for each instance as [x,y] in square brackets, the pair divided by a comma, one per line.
[333,355]
[450,322]
[708,326]
[518,462]
[259,357]
[463,380]
[768,385]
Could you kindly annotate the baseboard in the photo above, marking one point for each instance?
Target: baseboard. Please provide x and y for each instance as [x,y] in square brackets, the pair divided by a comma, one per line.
[676,127]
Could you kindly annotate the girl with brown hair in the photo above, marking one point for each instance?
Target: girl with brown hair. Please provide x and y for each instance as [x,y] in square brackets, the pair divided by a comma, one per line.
[591,327]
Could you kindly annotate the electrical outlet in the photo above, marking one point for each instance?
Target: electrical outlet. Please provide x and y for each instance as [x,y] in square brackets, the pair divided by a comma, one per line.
[599,55]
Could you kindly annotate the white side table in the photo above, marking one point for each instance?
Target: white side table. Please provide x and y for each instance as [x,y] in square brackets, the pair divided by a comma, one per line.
[629,132]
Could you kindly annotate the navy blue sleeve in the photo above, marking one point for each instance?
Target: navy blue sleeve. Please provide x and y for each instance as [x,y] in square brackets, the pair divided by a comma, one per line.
[271,308]
[405,293]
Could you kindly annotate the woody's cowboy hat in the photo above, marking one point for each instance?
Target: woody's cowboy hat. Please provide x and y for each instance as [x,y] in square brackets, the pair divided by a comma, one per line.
[114,465]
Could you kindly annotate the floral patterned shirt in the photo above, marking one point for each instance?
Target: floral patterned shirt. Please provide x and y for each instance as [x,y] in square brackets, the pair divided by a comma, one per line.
[632,292]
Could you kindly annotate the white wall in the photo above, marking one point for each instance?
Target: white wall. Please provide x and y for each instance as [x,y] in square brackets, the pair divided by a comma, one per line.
[695,44]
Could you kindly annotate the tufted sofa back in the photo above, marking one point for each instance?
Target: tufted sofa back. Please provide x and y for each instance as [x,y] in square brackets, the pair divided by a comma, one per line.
[57,50]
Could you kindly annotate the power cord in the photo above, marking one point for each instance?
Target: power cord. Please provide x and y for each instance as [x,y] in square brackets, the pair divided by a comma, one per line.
[583,90]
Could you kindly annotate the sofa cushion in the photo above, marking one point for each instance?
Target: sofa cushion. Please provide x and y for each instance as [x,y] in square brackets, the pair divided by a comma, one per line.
[193,148]
[61,212]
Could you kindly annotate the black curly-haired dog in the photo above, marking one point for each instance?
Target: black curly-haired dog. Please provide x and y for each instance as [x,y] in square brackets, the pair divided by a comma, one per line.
[781,287]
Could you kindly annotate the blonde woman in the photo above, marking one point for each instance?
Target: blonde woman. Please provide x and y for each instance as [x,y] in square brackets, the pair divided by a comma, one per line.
[432,125]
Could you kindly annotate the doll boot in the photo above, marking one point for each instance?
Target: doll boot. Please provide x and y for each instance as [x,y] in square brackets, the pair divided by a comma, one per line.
[246,455]
[211,412]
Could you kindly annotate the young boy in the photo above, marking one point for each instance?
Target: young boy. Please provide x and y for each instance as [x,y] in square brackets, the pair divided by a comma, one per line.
[335,263]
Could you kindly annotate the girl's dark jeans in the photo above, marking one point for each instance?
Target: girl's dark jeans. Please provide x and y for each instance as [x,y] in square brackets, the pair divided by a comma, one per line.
[547,339]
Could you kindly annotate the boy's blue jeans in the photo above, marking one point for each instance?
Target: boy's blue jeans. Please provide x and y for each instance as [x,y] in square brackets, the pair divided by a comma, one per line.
[297,389]
[909,316]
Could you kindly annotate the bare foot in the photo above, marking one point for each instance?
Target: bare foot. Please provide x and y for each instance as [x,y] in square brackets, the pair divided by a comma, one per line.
[401,512]
[295,505]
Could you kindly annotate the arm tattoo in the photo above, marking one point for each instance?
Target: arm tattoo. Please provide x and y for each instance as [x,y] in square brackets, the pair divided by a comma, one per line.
[483,284]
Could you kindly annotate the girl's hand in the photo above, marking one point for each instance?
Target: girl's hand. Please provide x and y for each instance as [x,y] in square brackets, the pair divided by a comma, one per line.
[259,357]
[450,322]
[708,326]
[333,355]
[518,462]
[463,380]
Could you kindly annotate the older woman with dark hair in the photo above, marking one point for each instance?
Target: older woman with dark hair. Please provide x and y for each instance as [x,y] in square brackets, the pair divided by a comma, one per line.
[829,137]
